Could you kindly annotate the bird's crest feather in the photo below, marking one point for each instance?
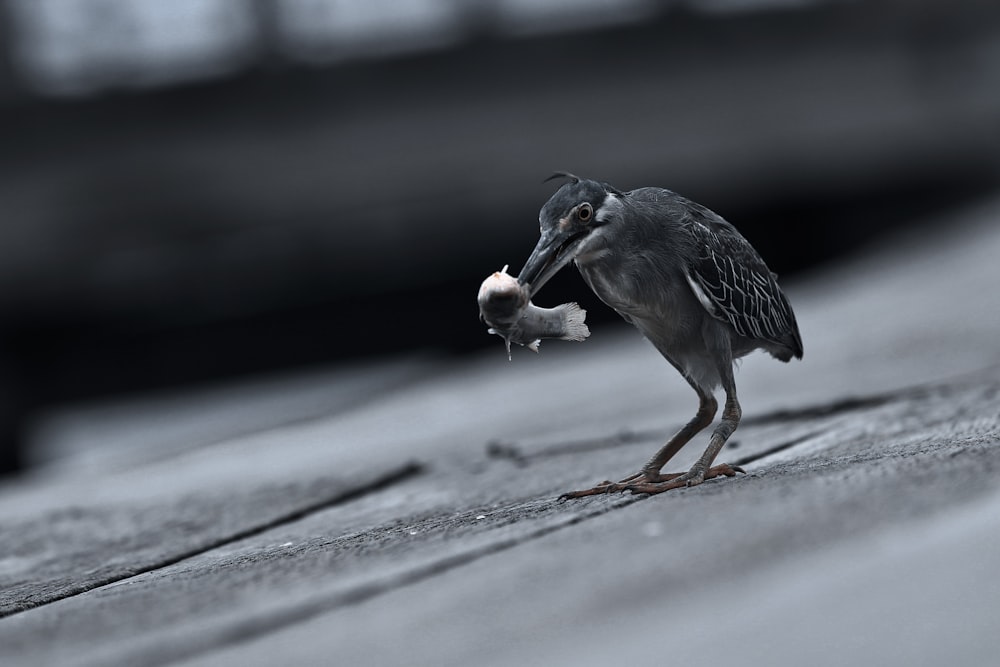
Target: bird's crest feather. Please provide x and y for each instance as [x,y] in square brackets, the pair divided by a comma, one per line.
[562,174]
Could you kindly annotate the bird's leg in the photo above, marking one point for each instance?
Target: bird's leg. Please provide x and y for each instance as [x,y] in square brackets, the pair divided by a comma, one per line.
[650,472]
[702,469]
[707,408]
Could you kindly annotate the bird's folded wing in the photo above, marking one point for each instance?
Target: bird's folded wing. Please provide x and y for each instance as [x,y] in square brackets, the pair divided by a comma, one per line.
[734,285]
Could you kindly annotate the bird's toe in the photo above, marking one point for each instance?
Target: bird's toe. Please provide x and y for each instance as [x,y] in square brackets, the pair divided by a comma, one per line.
[693,477]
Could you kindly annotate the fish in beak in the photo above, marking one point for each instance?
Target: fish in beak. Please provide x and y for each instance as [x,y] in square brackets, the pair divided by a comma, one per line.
[505,306]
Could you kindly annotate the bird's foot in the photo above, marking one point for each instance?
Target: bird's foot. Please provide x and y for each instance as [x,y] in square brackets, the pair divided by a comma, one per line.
[607,486]
[692,477]
[644,482]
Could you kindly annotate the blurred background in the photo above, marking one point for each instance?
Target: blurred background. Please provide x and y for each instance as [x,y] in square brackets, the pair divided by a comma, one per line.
[199,190]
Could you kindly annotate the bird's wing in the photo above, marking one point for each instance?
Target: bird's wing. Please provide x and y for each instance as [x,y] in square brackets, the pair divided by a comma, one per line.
[735,286]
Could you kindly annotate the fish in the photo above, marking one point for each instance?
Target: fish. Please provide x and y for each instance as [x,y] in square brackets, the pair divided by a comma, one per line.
[504,304]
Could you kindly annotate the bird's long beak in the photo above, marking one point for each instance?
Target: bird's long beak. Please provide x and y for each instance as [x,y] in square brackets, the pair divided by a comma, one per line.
[554,251]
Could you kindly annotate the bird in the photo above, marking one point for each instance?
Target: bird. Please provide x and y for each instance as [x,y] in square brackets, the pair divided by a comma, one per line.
[688,281]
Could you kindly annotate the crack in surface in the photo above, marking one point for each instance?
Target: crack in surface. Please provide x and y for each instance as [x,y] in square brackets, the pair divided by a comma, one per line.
[510,451]
[277,619]
[848,404]
[396,476]
[753,458]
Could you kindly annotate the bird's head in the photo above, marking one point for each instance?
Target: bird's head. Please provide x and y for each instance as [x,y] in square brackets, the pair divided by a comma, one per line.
[568,221]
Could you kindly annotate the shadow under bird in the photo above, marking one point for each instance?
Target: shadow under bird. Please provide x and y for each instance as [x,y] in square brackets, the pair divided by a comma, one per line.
[683,276]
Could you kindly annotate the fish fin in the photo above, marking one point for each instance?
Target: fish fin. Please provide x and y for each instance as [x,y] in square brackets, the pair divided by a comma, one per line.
[506,339]
[574,327]
[533,345]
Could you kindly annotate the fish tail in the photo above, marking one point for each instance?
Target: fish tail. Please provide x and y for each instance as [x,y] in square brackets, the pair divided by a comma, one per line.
[574,327]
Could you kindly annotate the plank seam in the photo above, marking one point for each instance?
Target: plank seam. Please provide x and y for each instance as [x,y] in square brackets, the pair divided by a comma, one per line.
[407,471]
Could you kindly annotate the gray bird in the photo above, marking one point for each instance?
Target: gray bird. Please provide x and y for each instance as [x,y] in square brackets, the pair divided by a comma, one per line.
[688,281]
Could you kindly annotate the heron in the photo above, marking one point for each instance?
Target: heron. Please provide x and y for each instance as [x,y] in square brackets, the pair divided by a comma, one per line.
[688,281]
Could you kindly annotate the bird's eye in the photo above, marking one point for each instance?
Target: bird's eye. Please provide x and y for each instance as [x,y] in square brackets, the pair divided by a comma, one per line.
[585,212]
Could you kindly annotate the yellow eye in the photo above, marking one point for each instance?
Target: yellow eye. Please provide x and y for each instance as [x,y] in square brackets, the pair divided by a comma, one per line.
[585,212]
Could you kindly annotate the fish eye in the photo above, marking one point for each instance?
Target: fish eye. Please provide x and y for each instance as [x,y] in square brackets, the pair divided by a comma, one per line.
[585,212]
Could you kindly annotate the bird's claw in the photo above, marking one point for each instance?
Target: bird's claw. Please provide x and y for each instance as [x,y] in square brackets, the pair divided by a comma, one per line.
[601,488]
[607,486]
[693,477]
[645,483]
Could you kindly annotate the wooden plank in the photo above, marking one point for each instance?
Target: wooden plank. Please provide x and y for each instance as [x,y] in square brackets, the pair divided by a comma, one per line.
[878,466]
[129,433]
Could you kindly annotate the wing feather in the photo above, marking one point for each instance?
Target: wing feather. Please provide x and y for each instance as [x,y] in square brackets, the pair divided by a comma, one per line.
[735,286]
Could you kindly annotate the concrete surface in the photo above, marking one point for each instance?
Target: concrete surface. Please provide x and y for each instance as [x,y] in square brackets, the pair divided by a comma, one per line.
[416,522]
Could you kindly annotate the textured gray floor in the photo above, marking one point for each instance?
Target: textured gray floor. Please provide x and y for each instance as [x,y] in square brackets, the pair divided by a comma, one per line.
[406,514]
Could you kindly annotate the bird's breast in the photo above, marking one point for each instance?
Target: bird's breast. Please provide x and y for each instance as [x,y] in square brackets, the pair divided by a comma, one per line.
[610,286]
[643,293]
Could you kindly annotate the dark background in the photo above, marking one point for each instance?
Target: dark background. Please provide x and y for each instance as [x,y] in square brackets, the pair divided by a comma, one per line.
[203,189]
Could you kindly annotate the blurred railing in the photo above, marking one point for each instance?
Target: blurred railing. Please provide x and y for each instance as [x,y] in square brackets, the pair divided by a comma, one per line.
[79,47]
